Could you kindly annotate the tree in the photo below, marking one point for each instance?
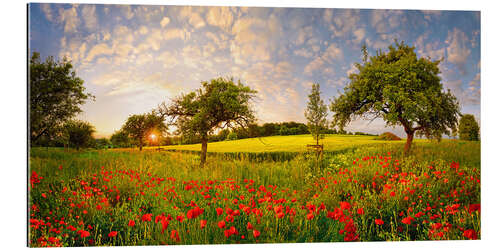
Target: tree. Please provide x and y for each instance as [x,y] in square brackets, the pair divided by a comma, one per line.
[139,127]
[55,95]
[468,129]
[401,89]
[79,133]
[219,103]
[120,139]
[316,113]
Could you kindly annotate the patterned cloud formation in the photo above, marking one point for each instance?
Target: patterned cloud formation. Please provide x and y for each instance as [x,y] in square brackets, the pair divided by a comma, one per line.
[134,57]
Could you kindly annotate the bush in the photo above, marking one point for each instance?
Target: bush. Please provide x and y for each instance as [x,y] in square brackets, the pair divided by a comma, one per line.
[388,136]
[232,136]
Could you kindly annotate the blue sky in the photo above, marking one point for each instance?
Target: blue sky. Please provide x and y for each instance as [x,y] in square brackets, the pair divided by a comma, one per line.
[133,57]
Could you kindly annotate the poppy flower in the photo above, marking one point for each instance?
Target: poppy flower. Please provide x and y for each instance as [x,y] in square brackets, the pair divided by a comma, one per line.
[131,223]
[470,234]
[147,217]
[203,223]
[112,234]
[310,216]
[221,224]
[407,220]
[361,211]
[379,222]
[249,226]
[256,233]
[175,235]
[344,205]
[219,211]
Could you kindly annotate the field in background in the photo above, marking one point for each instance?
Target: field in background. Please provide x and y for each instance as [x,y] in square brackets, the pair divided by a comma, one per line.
[290,143]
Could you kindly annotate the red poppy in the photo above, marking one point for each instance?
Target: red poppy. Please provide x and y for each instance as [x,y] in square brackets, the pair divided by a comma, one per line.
[470,234]
[379,222]
[131,223]
[203,223]
[84,234]
[219,211]
[221,224]
[280,215]
[256,233]
[344,205]
[361,211]
[147,217]
[407,220]
[112,234]
[249,226]
[175,235]
[310,216]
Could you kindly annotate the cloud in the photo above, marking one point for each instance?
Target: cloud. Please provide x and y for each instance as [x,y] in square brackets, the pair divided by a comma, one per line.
[221,17]
[303,52]
[89,16]
[254,39]
[175,33]
[341,21]
[164,22]
[47,10]
[385,20]
[192,15]
[331,54]
[97,50]
[457,49]
[69,18]
[359,35]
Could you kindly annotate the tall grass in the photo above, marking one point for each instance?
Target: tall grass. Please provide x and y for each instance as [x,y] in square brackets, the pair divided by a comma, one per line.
[346,175]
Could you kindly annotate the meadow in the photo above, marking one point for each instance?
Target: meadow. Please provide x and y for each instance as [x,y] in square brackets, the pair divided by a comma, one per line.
[362,190]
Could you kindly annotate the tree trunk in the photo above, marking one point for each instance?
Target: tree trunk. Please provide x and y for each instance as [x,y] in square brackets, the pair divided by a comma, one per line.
[203,156]
[140,145]
[409,140]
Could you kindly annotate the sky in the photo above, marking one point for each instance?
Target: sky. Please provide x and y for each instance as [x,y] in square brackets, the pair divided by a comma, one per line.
[134,57]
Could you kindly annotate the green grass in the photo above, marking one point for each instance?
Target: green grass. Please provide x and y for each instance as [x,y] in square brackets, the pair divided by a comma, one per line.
[76,183]
[291,143]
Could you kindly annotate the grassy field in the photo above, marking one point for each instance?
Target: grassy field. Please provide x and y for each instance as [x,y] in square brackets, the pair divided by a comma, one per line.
[370,193]
[291,143]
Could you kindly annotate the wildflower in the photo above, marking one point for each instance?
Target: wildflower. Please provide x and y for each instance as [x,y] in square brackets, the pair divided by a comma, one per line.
[256,233]
[470,234]
[131,223]
[379,222]
[175,235]
[147,217]
[360,211]
[112,234]
[407,220]
[203,223]
[219,211]
[344,205]
[221,224]
[249,226]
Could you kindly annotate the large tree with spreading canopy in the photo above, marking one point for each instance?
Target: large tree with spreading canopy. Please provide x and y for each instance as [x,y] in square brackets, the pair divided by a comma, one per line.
[403,90]
[219,103]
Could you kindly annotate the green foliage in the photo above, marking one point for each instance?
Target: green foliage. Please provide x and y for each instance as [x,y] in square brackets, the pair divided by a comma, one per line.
[102,143]
[220,103]
[316,113]
[79,133]
[120,139]
[232,136]
[401,89]
[468,128]
[55,96]
[139,127]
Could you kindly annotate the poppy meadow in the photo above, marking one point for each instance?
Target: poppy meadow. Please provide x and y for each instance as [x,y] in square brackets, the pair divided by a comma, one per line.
[371,193]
